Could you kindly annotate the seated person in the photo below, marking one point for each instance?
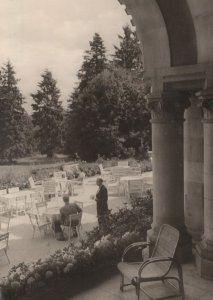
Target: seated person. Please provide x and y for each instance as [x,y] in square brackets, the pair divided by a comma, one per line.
[65,211]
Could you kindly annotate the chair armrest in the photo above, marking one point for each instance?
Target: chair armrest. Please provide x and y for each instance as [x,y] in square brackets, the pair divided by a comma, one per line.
[39,182]
[154,260]
[139,245]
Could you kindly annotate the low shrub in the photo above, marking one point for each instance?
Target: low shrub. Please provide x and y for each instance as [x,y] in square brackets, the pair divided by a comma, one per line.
[90,169]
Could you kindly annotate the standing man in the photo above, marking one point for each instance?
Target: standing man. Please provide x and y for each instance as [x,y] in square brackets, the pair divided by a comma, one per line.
[101,199]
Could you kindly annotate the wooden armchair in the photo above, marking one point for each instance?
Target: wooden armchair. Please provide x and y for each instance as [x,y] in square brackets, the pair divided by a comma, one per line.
[160,268]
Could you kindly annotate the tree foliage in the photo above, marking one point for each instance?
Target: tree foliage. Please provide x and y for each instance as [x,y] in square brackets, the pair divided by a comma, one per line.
[94,61]
[109,117]
[47,115]
[14,130]
[128,53]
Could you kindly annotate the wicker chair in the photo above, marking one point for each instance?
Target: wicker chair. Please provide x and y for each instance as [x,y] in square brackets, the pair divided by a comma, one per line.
[157,269]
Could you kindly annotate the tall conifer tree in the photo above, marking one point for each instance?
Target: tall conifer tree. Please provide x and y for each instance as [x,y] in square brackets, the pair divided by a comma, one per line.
[47,115]
[94,61]
[12,123]
[128,53]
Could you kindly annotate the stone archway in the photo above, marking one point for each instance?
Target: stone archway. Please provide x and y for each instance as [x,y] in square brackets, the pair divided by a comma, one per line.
[178,59]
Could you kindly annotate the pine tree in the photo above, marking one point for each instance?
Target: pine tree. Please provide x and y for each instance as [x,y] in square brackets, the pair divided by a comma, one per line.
[12,135]
[94,61]
[47,115]
[128,54]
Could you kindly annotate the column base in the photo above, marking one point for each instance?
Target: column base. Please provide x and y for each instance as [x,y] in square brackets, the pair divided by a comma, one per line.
[195,234]
[204,259]
[184,249]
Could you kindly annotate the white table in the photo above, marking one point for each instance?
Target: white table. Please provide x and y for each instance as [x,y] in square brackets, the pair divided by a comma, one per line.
[145,181]
[10,199]
[52,213]
[129,178]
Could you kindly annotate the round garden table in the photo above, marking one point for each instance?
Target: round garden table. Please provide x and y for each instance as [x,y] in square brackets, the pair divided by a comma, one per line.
[52,213]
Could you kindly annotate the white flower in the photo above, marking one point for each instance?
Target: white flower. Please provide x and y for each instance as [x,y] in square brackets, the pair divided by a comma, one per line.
[30,280]
[22,277]
[48,274]
[97,244]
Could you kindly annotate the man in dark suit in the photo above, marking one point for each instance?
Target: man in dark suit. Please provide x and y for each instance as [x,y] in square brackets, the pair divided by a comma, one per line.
[65,211]
[101,199]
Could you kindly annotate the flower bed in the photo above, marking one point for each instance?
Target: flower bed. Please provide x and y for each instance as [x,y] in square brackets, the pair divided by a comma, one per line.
[69,262]
[98,252]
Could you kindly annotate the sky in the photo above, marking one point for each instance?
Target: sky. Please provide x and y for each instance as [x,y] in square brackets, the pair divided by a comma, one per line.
[53,34]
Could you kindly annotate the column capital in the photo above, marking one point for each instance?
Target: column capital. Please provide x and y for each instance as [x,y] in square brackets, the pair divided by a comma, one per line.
[205,98]
[168,106]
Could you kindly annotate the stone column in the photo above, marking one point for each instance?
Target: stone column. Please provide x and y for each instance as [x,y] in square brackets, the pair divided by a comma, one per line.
[168,172]
[204,250]
[193,170]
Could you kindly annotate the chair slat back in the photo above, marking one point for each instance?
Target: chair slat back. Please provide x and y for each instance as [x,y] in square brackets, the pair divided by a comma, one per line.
[76,217]
[31,182]
[21,201]
[60,175]
[3,192]
[41,204]
[5,223]
[4,237]
[134,171]
[166,245]
[41,207]
[49,187]
[101,168]
[123,163]
[13,190]
[33,219]
[118,172]
[135,187]
[37,197]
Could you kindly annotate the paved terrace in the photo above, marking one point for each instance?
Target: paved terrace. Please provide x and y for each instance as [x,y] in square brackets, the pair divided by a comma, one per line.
[23,248]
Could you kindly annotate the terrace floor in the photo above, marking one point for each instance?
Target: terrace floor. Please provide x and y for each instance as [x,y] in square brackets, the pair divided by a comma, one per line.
[23,248]
[195,288]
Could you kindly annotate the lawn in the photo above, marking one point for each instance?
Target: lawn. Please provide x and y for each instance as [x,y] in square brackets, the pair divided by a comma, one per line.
[38,165]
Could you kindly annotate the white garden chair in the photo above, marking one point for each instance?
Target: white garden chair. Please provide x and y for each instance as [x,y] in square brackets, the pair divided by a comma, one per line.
[4,240]
[13,190]
[39,225]
[123,163]
[104,173]
[50,189]
[37,186]
[134,188]
[60,175]
[4,224]
[3,192]
[74,218]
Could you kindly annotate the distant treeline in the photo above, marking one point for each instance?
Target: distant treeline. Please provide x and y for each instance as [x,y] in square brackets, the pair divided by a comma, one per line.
[106,115]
